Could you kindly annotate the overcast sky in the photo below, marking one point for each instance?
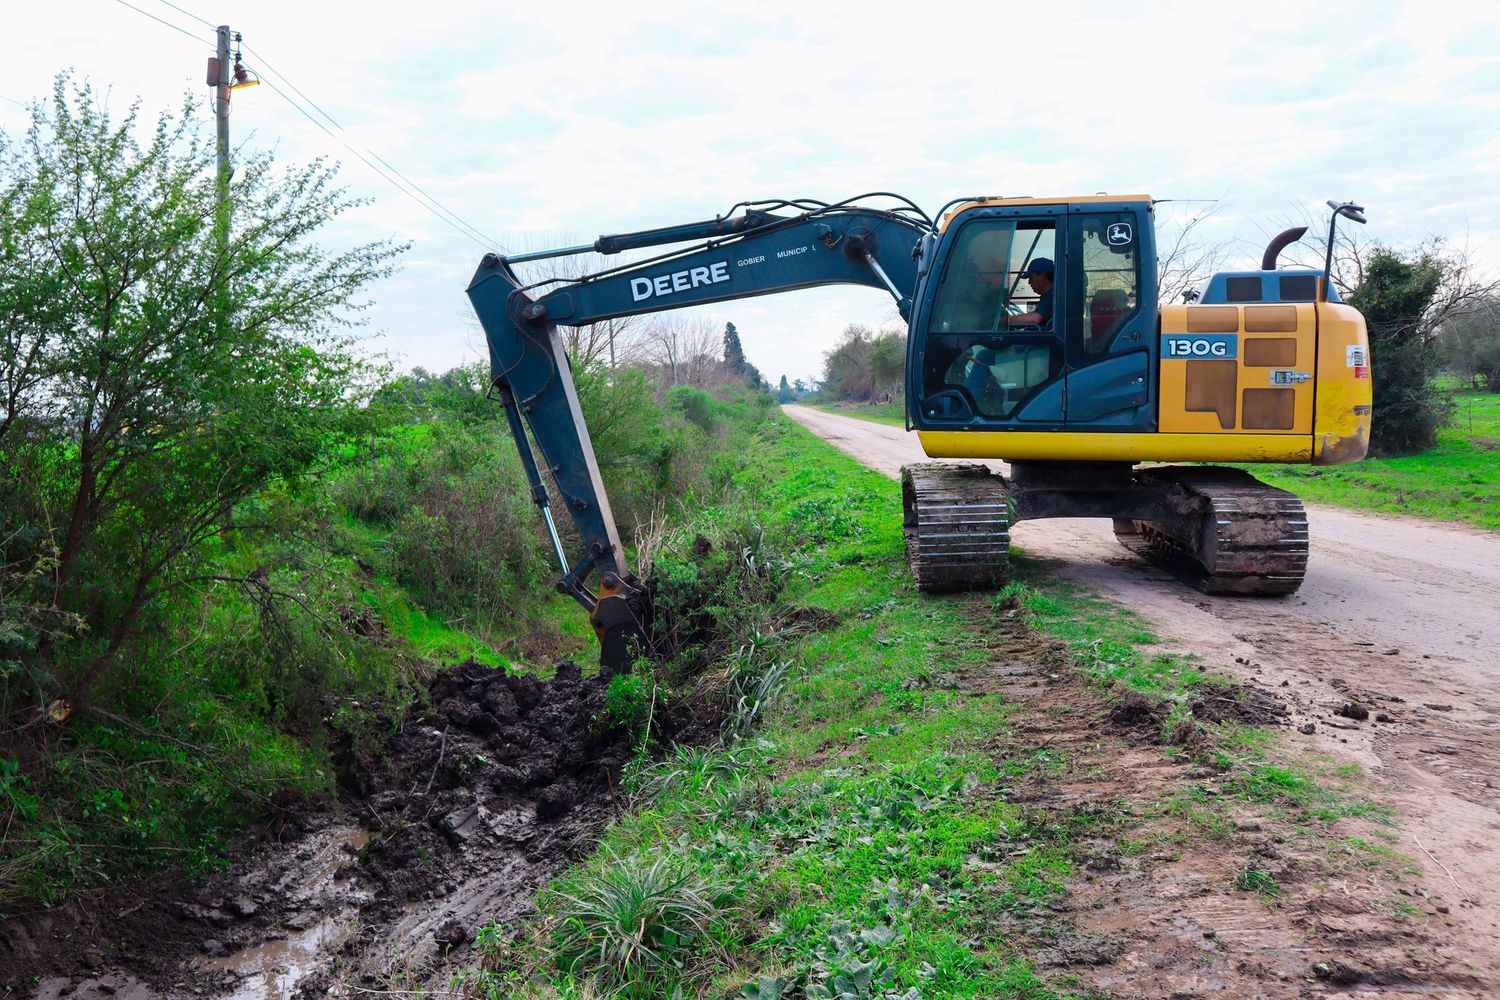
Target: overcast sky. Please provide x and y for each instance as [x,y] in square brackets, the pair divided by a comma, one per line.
[551,123]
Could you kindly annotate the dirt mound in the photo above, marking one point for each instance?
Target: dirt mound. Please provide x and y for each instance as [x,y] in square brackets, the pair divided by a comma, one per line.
[502,762]
[1136,711]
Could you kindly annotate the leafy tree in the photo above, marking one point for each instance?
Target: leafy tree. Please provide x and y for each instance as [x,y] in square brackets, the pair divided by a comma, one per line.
[734,354]
[846,368]
[156,373]
[1396,294]
[888,361]
[785,393]
[865,365]
[458,393]
[736,366]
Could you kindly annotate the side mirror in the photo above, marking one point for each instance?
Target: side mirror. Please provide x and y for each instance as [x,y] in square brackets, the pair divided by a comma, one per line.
[923,253]
[1348,210]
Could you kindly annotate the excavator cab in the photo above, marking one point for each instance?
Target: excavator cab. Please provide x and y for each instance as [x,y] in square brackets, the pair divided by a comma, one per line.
[1089,365]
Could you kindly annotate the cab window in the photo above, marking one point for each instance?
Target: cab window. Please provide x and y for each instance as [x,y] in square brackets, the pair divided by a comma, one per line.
[983,280]
[1109,251]
[970,351]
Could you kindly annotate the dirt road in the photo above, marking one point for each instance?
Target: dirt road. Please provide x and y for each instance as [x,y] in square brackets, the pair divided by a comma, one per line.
[1399,614]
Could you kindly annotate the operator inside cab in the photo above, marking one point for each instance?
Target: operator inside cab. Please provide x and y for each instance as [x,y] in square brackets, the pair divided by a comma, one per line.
[1040,274]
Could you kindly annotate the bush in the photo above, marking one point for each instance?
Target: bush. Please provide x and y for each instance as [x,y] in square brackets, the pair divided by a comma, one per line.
[469,542]
[711,590]
[1472,343]
[628,704]
[1395,296]
[694,404]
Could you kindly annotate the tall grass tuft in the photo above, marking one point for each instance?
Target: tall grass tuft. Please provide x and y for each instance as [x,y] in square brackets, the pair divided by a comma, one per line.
[632,922]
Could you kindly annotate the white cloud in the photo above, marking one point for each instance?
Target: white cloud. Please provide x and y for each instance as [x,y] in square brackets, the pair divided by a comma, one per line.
[589,118]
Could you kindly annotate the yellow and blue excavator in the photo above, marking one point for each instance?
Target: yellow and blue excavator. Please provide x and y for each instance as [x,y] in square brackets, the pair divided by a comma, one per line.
[1034,336]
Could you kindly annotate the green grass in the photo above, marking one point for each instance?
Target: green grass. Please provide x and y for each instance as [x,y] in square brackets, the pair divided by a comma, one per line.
[1113,643]
[891,414]
[430,636]
[1258,881]
[1459,480]
[868,834]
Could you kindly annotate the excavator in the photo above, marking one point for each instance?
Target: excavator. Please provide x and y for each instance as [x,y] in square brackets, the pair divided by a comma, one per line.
[1034,336]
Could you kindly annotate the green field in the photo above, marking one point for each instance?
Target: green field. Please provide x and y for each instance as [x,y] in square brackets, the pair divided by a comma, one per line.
[1459,480]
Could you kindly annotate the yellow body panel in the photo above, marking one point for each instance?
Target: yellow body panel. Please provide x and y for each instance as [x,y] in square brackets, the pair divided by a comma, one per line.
[1069,446]
[1272,338]
[954,212]
[1342,429]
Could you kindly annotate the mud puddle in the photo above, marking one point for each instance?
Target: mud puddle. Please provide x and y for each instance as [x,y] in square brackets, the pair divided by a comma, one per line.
[456,821]
[272,969]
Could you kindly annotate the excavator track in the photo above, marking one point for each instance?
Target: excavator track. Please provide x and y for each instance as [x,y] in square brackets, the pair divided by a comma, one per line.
[956,520]
[1236,535]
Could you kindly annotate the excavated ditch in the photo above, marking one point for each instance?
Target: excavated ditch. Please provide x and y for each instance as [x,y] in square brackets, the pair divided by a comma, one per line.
[463,813]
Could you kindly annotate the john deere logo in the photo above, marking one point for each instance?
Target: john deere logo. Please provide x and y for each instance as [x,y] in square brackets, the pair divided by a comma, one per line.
[1119,234]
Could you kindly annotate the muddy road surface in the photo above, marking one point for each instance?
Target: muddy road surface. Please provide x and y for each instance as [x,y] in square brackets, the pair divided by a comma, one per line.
[1398,616]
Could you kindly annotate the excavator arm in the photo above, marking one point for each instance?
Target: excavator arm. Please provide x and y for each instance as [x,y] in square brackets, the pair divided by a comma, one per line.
[754,253]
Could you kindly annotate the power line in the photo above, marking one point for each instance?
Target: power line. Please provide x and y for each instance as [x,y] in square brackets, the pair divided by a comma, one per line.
[432,204]
[461,228]
[410,188]
[174,27]
[17,103]
[188,13]
[263,61]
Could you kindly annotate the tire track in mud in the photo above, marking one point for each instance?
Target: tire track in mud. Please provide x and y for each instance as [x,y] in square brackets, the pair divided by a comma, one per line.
[1399,615]
[1155,909]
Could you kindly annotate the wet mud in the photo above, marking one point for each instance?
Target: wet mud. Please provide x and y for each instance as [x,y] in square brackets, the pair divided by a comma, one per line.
[455,821]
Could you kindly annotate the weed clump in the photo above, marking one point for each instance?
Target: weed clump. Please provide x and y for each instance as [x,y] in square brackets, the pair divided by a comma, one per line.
[1258,881]
[629,921]
[628,703]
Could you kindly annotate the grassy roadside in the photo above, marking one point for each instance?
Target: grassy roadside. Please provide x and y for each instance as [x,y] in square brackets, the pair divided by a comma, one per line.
[315,626]
[891,414]
[887,831]
[1459,480]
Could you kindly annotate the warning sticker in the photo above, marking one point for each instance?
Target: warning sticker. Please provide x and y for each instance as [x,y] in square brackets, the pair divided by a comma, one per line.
[1356,356]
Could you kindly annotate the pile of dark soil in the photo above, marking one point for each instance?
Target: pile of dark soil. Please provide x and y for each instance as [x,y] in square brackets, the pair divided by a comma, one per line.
[1136,711]
[502,761]
[468,809]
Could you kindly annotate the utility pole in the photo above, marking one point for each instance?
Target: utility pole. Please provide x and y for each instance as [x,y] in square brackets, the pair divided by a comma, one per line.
[225,77]
[218,78]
